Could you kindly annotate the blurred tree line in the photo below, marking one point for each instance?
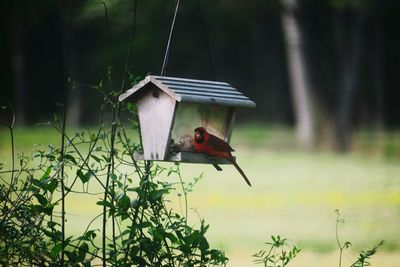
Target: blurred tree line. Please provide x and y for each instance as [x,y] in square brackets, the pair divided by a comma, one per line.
[327,66]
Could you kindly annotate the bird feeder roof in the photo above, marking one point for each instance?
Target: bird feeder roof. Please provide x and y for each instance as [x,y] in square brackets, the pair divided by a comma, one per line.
[190,90]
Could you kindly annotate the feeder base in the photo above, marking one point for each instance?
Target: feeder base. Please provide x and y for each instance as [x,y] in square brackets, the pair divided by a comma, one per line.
[185,157]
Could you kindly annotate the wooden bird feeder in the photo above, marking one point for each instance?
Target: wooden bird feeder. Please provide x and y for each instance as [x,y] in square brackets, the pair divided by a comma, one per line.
[171,108]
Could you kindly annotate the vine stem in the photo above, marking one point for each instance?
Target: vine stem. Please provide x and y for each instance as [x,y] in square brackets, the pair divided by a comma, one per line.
[184,192]
[110,170]
[337,239]
[8,197]
[64,117]
[10,127]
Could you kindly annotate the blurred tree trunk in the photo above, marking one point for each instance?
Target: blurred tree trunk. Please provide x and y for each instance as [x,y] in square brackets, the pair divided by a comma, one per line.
[74,107]
[299,83]
[74,92]
[350,32]
[378,67]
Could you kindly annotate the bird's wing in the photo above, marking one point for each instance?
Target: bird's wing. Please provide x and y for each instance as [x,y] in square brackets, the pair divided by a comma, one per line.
[219,144]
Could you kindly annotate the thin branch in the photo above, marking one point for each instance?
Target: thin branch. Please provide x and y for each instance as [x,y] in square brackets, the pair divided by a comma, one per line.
[184,192]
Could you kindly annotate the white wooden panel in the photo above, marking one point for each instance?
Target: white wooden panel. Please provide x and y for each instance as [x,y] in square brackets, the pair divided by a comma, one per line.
[156,112]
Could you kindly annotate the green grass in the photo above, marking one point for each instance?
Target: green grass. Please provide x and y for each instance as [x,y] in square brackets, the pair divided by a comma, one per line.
[294,194]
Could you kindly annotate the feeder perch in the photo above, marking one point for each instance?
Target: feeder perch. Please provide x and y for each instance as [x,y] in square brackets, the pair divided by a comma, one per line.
[171,108]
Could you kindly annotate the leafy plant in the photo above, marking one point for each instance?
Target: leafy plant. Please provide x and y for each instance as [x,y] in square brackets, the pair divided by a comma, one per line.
[137,227]
[341,246]
[363,256]
[278,253]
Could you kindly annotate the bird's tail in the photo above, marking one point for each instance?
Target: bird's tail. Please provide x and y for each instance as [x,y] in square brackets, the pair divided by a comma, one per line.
[239,170]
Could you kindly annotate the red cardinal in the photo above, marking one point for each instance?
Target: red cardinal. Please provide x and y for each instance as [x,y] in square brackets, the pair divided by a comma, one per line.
[213,146]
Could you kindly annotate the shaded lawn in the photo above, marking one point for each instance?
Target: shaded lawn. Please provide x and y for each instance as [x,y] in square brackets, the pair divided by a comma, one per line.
[294,194]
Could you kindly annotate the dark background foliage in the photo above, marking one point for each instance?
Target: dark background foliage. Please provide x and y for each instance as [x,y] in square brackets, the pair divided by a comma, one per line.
[247,47]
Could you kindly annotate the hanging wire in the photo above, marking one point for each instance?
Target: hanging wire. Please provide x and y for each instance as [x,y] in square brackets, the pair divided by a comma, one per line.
[110,68]
[204,29]
[130,50]
[167,50]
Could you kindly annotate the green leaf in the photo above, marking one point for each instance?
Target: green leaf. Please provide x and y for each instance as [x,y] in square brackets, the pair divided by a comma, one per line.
[52,185]
[127,242]
[180,236]
[56,250]
[193,238]
[83,249]
[52,224]
[84,177]
[91,234]
[71,256]
[203,244]
[124,233]
[130,106]
[92,137]
[138,261]
[46,209]
[46,173]
[134,203]
[95,158]
[104,203]
[87,263]
[203,228]
[158,193]
[171,237]
[124,202]
[158,234]
[144,225]
[41,199]
[70,158]
[113,176]
[50,157]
